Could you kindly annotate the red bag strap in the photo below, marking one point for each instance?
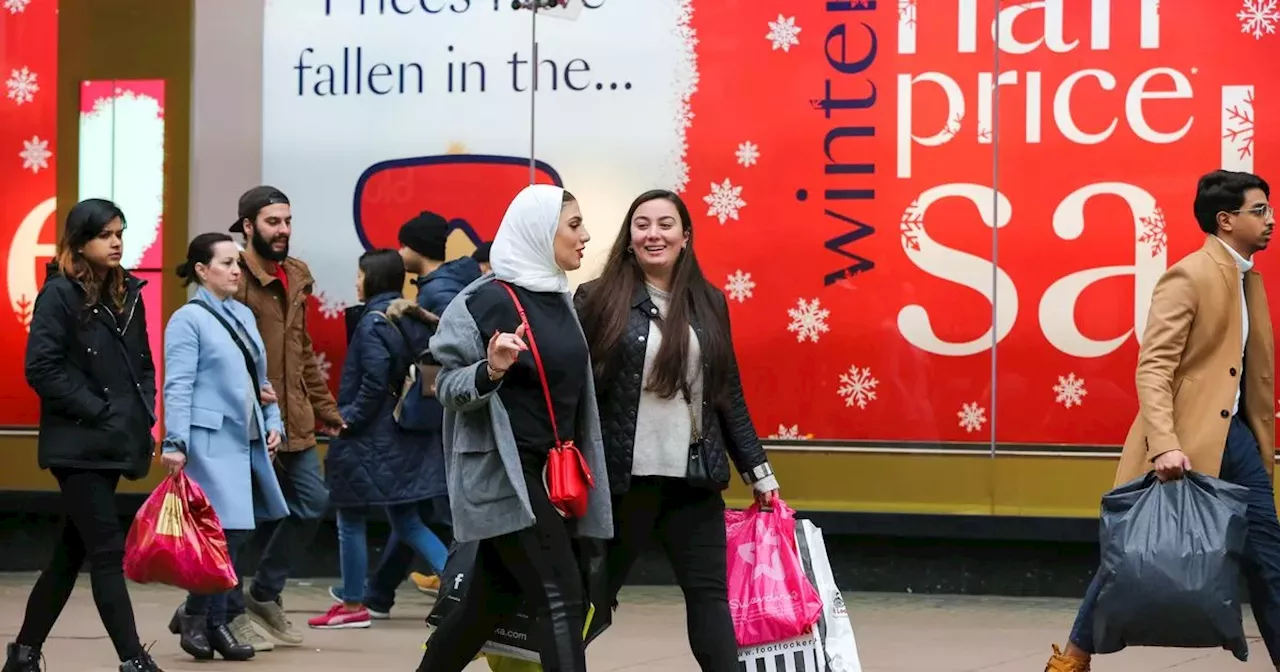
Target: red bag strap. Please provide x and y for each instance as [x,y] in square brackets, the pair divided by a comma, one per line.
[537,359]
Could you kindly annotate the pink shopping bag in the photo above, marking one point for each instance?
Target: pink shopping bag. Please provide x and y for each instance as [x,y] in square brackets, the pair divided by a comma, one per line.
[770,597]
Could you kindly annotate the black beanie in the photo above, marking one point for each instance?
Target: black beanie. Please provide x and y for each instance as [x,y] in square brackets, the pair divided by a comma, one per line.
[426,234]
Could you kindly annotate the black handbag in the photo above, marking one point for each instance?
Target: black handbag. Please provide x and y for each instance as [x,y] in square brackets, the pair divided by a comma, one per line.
[698,472]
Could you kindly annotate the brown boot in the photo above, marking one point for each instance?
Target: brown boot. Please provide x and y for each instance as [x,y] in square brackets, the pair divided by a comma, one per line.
[1061,662]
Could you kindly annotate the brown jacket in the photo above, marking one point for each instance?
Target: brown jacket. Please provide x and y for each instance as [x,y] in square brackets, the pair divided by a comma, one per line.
[1189,367]
[291,361]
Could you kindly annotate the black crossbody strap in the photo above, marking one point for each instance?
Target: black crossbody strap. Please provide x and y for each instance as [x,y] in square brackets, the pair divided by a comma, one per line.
[244,350]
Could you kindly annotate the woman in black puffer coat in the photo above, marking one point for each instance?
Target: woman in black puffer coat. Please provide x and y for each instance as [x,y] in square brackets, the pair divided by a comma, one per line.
[89,361]
[375,463]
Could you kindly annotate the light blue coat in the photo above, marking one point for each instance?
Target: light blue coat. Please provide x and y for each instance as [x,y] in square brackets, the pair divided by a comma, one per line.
[206,411]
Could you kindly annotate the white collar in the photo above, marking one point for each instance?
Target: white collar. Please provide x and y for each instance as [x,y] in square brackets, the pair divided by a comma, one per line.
[1244,264]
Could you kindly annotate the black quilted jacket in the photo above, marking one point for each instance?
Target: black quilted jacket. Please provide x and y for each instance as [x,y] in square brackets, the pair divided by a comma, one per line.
[729,428]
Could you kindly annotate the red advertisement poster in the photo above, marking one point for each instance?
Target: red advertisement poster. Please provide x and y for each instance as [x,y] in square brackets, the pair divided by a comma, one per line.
[28,157]
[892,222]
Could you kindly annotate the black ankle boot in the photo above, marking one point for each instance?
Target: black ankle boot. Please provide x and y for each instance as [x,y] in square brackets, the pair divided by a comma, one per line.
[20,658]
[142,663]
[227,646]
[194,631]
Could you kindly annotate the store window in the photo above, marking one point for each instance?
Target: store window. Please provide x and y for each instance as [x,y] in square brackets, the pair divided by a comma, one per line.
[122,159]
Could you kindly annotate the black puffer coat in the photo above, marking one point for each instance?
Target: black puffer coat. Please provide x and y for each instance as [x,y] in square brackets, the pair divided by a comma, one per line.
[728,428]
[93,371]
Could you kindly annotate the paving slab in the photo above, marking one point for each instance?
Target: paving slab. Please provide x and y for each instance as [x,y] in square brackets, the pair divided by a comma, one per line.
[896,633]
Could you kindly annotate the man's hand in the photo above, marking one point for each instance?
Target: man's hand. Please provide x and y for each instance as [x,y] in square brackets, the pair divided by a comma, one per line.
[1172,465]
[267,395]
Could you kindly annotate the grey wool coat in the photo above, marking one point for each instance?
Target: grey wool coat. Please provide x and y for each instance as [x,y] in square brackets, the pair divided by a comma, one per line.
[486,480]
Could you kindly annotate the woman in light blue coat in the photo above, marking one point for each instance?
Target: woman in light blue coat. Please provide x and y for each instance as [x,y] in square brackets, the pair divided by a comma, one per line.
[218,428]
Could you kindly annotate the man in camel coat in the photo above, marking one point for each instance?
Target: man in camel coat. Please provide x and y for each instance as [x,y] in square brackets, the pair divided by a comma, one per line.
[1206,392]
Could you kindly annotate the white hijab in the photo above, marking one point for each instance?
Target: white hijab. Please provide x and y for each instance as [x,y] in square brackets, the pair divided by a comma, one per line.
[523,251]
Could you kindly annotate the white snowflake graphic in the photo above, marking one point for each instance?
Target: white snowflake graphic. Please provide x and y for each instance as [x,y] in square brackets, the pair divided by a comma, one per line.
[783,33]
[16,6]
[808,320]
[1259,17]
[740,286]
[972,417]
[330,307]
[748,154]
[323,363]
[1070,391]
[857,387]
[725,201]
[22,86]
[1153,233]
[681,179]
[786,433]
[1240,131]
[684,117]
[35,154]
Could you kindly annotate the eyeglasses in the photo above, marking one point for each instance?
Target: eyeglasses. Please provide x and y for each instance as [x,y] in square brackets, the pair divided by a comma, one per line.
[1264,211]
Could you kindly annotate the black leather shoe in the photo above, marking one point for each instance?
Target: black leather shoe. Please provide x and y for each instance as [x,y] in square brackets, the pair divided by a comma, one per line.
[227,646]
[194,632]
[142,663]
[19,658]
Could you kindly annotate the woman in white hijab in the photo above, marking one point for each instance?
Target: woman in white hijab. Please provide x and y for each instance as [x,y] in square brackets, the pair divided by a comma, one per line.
[498,432]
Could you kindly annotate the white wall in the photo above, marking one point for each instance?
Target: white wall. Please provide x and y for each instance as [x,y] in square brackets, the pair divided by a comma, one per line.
[226,111]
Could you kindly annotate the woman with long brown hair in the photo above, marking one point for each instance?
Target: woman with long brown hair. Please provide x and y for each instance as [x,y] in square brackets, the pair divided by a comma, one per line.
[89,360]
[671,408]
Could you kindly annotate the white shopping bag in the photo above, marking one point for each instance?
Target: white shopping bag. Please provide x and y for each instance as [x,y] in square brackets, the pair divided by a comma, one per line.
[837,647]
[793,655]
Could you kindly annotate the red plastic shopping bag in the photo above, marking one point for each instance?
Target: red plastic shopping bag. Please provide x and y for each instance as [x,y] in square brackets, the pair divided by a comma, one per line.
[770,597]
[176,539]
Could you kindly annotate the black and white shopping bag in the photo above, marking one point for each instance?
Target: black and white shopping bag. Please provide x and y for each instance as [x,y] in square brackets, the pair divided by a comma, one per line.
[793,655]
[837,648]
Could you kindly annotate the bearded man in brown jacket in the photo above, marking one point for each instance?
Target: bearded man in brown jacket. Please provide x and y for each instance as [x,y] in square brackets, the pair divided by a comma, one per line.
[1206,389]
[276,287]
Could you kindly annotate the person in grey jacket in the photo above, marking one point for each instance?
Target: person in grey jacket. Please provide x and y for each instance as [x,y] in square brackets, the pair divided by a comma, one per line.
[498,433]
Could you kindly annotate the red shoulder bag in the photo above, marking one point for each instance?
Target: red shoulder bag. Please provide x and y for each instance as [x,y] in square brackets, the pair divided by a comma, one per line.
[566,476]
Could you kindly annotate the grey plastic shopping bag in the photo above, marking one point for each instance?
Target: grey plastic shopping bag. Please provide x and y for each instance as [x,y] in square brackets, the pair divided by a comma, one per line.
[1171,555]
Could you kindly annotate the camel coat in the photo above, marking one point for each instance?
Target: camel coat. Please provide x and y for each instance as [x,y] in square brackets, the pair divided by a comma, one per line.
[1189,366]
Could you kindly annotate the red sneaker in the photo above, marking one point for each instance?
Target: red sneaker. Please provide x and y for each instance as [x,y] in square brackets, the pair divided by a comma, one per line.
[339,616]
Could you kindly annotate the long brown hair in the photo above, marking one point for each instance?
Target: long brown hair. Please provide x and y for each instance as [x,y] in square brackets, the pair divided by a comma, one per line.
[607,308]
[86,220]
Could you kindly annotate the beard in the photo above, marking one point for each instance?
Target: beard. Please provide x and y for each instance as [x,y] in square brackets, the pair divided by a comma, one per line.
[263,247]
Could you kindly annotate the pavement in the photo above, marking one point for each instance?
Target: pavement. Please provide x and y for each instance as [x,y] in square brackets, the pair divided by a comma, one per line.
[895,632]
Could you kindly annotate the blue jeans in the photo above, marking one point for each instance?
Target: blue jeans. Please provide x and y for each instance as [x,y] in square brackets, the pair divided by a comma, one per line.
[397,556]
[308,499]
[1242,465]
[215,607]
[353,549]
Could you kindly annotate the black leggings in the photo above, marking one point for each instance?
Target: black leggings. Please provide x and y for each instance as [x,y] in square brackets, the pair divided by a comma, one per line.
[536,563]
[91,531]
[689,525]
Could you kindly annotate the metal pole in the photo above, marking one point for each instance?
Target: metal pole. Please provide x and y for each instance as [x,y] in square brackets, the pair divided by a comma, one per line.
[533,92]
